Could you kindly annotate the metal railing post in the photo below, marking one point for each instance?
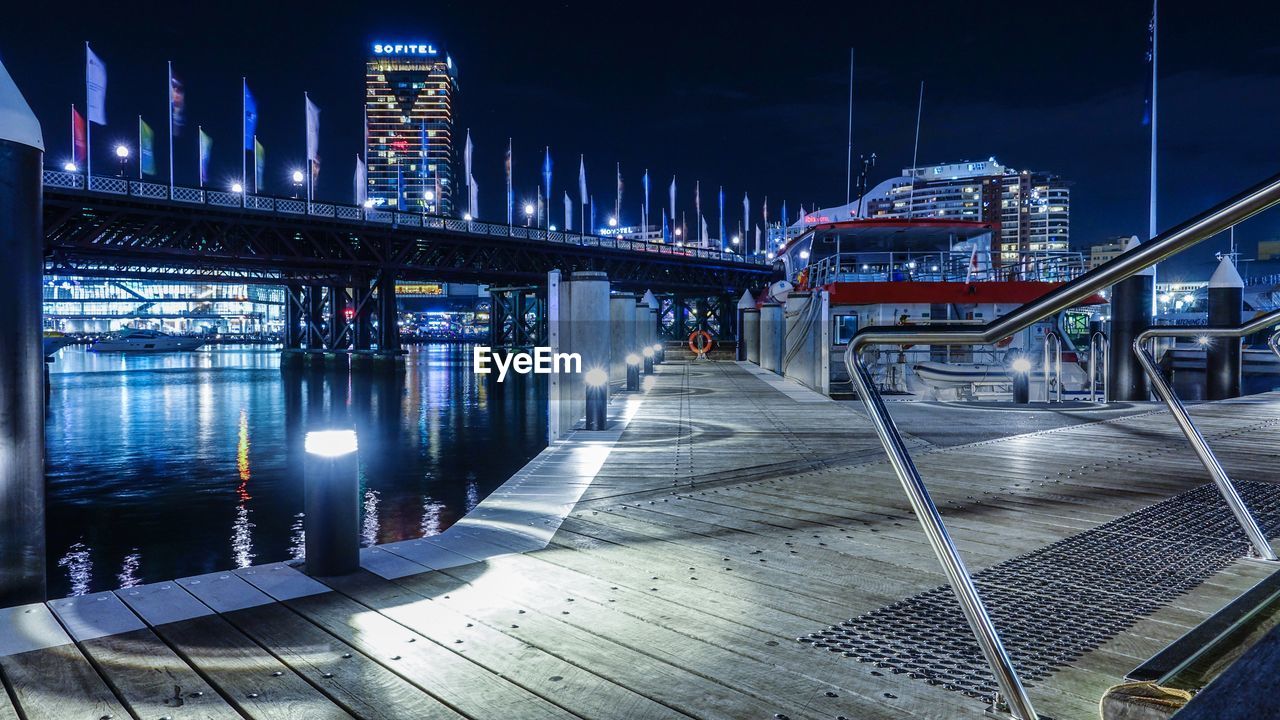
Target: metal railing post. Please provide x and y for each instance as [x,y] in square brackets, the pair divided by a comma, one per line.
[1098,352]
[1257,539]
[1057,344]
[975,612]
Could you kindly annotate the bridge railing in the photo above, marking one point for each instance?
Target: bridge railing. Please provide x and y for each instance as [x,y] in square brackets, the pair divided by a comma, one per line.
[354,213]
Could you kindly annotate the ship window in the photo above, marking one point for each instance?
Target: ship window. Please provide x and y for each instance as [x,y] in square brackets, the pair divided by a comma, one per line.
[845,327]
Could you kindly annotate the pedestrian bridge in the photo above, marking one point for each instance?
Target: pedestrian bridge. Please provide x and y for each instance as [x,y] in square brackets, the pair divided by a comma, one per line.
[119,227]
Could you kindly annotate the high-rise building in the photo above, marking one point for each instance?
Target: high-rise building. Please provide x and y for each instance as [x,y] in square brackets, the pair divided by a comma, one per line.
[1031,210]
[409,98]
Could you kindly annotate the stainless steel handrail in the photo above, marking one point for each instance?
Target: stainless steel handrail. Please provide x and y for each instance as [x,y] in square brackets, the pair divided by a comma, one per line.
[1098,352]
[1189,233]
[1057,344]
[1257,538]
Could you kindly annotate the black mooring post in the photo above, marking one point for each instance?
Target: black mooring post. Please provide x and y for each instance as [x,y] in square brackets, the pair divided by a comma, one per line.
[331,501]
[22,516]
[1131,305]
[388,317]
[1222,355]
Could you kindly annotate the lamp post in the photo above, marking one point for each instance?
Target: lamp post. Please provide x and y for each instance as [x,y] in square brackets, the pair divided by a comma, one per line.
[122,152]
[528,214]
[297,177]
[648,361]
[633,372]
[597,382]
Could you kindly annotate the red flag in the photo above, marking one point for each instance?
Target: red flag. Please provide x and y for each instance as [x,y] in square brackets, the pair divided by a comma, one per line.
[79,143]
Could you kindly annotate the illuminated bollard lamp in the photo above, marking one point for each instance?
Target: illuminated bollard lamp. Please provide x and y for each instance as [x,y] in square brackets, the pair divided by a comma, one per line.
[633,372]
[331,485]
[659,353]
[597,382]
[1021,368]
[648,361]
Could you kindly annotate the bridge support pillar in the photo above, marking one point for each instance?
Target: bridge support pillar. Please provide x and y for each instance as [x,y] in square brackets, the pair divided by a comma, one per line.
[388,318]
[22,491]
[1222,355]
[363,299]
[1131,304]
[315,317]
[337,317]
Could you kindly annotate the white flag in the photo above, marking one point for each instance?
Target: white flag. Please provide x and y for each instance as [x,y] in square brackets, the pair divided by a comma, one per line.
[95,87]
[582,179]
[473,195]
[471,181]
[672,192]
[746,211]
[568,213]
[756,247]
[313,130]
[362,183]
[705,237]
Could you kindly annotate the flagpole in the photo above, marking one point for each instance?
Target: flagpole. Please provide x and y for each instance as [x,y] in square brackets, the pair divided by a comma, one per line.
[139,148]
[200,155]
[88,122]
[305,99]
[911,202]
[169,94]
[1152,225]
[848,163]
[244,130]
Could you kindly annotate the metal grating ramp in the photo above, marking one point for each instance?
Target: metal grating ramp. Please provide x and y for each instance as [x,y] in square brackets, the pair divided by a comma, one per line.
[1054,604]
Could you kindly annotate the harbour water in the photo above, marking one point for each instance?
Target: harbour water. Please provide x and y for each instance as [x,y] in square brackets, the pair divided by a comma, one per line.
[163,466]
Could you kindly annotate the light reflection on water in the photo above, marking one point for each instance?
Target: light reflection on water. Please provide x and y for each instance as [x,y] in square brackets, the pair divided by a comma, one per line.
[178,464]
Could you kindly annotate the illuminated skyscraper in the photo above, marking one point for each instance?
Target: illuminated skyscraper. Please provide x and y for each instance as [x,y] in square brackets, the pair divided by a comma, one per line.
[409,95]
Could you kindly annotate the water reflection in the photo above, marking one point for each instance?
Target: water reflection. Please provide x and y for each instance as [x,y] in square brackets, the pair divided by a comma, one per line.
[179,464]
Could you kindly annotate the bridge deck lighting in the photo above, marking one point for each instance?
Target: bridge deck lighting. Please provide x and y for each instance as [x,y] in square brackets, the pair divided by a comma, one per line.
[648,352]
[122,151]
[613,222]
[467,217]
[633,359]
[528,209]
[237,188]
[297,176]
[70,167]
[596,377]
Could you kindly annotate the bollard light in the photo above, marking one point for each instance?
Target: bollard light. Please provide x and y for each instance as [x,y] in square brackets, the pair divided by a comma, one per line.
[633,372]
[331,489]
[597,382]
[70,167]
[237,188]
[1021,367]
[648,361]
[659,353]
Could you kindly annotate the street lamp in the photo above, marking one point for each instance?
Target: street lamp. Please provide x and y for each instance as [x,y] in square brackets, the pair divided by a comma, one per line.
[122,152]
[679,232]
[467,217]
[528,214]
[613,222]
[70,167]
[297,183]
[736,239]
[237,188]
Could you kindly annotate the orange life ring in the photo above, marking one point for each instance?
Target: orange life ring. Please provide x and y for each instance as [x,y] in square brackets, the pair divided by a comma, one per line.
[697,347]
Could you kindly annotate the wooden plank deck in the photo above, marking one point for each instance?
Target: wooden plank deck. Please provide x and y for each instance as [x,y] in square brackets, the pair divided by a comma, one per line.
[730,517]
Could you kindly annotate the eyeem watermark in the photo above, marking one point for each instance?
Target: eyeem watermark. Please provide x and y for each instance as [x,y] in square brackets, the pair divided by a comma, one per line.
[542,361]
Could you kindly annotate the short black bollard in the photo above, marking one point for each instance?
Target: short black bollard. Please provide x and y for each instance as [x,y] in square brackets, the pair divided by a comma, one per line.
[633,372]
[597,382]
[648,361]
[1021,370]
[660,353]
[331,485]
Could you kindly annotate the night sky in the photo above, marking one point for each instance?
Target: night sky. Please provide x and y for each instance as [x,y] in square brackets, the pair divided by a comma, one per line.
[751,96]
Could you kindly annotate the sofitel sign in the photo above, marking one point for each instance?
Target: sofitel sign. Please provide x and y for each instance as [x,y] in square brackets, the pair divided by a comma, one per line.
[398,49]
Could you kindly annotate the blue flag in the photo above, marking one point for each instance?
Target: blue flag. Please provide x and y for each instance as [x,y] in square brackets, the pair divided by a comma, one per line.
[250,118]
[206,148]
[546,179]
[722,237]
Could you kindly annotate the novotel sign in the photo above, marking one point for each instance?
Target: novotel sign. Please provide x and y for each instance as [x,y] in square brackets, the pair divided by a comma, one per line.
[403,49]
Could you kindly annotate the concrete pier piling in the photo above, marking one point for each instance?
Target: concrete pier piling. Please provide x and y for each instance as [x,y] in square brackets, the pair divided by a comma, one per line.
[22,514]
[1131,306]
[1222,355]
[773,329]
[623,331]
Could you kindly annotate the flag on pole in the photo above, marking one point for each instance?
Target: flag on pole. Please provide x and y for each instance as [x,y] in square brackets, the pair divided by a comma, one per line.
[146,149]
[582,181]
[973,263]
[313,143]
[644,221]
[250,117]
[361,182]
[95,87]
[399,188]
[540,209]
[785,221]
[568,213]
[466,156]
[617,203]
[206,148]
[259,164]
[722,238]
[697,208]
[703,227]
[756,247]
[746,212]
[473,201]
[546,180]
[591,228]
[672,193]
[79,148]
[665,236]
[511,196]
[177,103]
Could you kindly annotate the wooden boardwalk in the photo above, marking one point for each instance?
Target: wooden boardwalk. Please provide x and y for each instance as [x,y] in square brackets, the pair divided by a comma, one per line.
[728,519]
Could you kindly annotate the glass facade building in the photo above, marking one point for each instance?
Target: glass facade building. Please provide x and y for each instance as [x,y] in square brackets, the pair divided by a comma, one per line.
[409,108]
[75,305]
